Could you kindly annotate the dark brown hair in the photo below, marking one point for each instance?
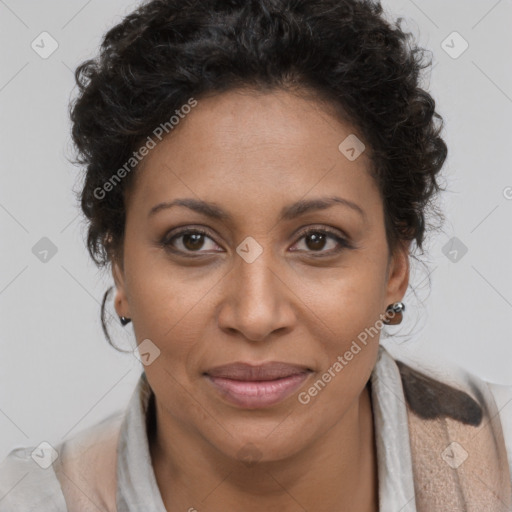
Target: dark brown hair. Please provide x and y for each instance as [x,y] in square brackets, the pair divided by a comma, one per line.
[343,51]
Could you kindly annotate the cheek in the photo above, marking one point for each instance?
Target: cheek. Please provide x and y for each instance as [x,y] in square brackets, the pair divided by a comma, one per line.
[160,294]
[352,325]
[351,299]
[170,306]
[358,304]
[350,308]
[170,312]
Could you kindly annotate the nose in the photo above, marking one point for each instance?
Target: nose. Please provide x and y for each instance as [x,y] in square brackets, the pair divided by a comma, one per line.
[257,301]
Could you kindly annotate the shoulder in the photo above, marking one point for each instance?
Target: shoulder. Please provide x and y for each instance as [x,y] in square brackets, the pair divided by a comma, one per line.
[44,478]
[503,398]
[437,388]
[29,483]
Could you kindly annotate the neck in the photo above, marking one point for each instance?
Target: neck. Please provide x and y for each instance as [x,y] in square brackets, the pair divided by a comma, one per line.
[338,471]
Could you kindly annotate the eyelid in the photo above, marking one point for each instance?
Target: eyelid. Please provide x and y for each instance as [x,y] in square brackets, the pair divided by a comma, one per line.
[326,229]
[183,230]
[341,238]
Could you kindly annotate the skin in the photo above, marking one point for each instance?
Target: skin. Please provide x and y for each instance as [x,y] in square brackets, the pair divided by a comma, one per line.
[252,154]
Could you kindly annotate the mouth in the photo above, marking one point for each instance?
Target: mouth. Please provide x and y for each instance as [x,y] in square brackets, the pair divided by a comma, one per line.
[252,387]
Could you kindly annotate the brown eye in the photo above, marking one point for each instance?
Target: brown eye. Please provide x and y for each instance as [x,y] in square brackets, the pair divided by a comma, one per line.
[193,241]
[188,241]
[316,240]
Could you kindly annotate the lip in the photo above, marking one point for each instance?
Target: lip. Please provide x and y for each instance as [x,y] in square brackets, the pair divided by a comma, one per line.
[256,372]
[257,386]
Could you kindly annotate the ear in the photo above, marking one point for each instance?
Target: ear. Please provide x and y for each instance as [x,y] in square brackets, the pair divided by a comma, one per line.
[120,301]
[398,273]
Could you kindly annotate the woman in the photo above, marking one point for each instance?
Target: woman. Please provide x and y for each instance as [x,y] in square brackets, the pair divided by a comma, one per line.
[258,174]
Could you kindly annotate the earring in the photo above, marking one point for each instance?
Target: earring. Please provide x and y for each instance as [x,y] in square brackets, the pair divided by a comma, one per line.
[124,320]
[394,313]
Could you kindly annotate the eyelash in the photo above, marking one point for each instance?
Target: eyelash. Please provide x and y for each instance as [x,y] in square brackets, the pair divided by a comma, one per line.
[166,243]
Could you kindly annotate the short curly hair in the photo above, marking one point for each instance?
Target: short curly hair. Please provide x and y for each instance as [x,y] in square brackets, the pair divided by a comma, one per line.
[343,51]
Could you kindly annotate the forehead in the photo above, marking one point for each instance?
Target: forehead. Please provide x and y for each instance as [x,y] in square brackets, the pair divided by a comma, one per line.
[267,147]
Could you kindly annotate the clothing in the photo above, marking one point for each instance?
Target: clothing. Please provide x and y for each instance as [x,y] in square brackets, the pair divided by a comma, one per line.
[88,477]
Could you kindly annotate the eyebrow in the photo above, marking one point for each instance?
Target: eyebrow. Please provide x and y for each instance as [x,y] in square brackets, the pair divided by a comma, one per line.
[289,212]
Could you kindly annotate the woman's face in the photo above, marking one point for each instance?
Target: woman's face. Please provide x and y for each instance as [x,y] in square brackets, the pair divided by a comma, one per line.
[255,288]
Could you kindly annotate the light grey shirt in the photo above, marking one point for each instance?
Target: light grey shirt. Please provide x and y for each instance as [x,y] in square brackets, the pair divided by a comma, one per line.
[26,486]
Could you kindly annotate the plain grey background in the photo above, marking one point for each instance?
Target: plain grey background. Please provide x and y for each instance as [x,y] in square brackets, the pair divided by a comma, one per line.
[58,375]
